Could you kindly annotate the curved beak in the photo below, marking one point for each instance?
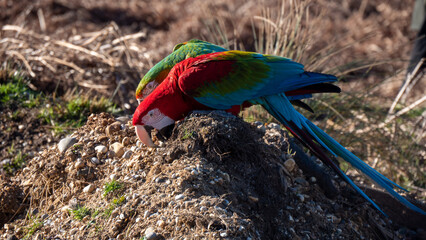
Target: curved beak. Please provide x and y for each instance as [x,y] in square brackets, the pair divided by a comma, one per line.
[144,134]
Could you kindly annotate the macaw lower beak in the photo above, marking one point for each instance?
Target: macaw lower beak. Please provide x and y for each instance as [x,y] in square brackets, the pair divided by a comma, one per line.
[144,134]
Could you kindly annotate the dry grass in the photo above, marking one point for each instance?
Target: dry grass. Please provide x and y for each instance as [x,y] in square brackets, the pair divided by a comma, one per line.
[83,61]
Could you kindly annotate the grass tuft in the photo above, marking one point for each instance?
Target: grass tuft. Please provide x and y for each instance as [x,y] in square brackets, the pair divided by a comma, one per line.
[111,187]
[14,91]
[35,226]
[81,212]
[114,204]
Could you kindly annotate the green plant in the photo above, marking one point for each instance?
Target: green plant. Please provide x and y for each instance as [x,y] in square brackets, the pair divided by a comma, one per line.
[187,134]
[18,161]
[73,110]
[114,204]
[14,90]
[111,187]
[81,212]
[36,225]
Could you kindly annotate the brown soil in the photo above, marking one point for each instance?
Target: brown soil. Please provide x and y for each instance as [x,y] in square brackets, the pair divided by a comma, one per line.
[217,177]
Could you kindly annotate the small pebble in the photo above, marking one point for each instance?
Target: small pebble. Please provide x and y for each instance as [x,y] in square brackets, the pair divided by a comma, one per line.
[123,119]
[66,209]
[290,164]
[150,234]
[95,160]
[179,197]
[118,149]
[89,188]
[79,164]
[146,214]
[111,129]
[113,177]
[65,143]
[126,141]
[101,149]
[301,197]
[127,154]
[161,223]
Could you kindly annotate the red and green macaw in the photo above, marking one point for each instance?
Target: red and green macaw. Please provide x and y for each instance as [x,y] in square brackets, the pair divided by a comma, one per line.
[182,51]
[232,80]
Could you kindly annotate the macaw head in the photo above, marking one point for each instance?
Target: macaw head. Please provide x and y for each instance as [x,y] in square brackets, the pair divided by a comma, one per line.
[151,80]
[159,110]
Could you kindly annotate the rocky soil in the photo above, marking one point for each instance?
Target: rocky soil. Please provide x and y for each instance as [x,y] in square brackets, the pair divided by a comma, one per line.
[217,177]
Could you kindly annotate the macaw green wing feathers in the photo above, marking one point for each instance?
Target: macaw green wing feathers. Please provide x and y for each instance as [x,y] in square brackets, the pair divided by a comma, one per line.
[225,79]
[181,51]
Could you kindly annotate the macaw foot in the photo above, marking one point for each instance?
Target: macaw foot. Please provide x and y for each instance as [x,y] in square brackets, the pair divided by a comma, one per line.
[312,169]
[219,113]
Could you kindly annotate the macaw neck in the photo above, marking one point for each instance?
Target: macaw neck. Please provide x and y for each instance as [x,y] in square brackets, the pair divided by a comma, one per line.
[175,103]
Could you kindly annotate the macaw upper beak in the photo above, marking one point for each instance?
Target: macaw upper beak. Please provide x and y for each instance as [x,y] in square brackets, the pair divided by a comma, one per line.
[144,134]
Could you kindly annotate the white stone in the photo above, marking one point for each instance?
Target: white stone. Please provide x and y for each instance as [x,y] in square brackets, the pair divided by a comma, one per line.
[89,188]
[95,160]
[65,143]
[79,164]
[101,149]
[179,197]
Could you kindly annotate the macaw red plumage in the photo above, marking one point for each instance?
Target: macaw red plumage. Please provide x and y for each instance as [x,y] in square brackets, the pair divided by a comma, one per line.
[233,79]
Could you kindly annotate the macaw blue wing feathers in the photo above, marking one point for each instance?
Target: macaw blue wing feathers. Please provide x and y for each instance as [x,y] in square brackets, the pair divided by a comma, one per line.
[279,106]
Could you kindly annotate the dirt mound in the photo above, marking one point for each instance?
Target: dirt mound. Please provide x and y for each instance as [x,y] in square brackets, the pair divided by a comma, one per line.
[216,177]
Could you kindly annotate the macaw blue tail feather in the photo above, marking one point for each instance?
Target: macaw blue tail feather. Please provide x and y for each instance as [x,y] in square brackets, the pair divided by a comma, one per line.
[279,106]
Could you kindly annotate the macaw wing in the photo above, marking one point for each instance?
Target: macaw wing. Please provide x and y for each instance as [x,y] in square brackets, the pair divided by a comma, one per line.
[229,78]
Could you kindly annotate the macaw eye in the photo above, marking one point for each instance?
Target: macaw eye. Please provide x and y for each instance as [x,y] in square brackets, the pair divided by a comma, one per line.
[149,88]
[152,117]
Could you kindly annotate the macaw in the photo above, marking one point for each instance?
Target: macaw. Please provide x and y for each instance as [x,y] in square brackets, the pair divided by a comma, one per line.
[226,80]
[190,49]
